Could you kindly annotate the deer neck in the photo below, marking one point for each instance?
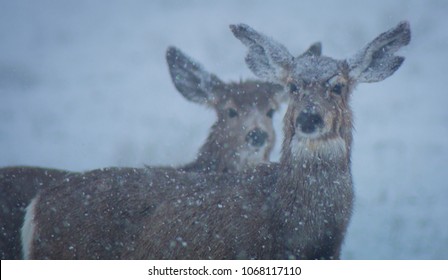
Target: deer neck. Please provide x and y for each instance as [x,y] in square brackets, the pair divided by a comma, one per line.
[318,175]
[317,182]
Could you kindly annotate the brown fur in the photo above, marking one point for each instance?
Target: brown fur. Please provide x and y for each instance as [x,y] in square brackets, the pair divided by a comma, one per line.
[298,209]
[243,134]
[223,151]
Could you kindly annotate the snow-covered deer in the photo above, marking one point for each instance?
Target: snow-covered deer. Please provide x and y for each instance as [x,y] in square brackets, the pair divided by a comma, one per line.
[242,136]
[296,209]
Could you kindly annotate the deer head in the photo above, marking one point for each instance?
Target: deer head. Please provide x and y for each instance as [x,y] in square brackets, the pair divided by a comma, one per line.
[243,134]
[319,119]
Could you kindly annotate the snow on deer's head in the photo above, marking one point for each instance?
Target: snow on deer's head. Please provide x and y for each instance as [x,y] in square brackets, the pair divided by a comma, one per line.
[319,119]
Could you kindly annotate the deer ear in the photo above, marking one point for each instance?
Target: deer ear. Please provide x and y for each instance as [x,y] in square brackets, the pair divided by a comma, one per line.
[376,61]
[190,78]
[266,58]
[314,50]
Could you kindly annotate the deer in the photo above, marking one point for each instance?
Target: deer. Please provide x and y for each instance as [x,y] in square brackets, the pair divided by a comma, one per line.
[243,133]
[242,136]
[298,208]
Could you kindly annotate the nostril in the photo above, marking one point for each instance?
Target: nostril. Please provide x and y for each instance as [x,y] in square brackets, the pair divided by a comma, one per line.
[256,137]
[309,122]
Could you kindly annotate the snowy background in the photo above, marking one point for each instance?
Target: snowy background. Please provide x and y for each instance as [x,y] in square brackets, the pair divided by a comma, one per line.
[84,84]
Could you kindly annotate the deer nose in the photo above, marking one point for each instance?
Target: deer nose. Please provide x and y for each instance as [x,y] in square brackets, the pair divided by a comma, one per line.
[309,122]
[256,137]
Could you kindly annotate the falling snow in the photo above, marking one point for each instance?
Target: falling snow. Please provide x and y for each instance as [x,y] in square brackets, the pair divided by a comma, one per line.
[80,93]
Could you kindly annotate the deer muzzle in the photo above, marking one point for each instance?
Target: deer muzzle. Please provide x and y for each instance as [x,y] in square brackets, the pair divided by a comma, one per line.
[309,122]
[256,137]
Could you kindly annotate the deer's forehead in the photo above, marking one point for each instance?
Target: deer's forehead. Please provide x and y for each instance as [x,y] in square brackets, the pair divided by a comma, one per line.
[315,69]
[244,97]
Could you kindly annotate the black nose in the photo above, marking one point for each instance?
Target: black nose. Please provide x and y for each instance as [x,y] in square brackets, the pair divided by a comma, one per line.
[309,122]
[256,137]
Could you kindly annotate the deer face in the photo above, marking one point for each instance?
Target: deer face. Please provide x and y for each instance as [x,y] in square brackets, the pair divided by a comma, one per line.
[320,97]
[245,111]
[319,119]
[243,134]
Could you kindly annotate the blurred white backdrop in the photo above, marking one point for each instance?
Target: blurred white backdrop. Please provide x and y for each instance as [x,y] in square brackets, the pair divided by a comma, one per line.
[84,85]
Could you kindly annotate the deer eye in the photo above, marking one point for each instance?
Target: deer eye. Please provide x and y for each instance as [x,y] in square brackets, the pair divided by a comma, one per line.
[337,88]
[293,87]
[232,113]
[270,113]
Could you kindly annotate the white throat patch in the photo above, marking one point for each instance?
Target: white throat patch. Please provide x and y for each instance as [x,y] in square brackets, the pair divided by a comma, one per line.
[307,148]
[250,156]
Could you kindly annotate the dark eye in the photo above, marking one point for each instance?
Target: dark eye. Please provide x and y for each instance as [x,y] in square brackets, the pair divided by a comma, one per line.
[270,113]
[292,87]
[337,88]
[232,113]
